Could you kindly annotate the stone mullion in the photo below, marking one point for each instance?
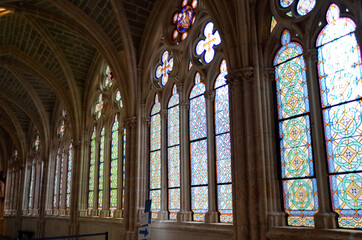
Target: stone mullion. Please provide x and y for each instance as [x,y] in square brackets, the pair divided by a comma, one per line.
[131,197]
[50,183]
[118,212]
[15,194]
[7,194]
[325,218]
[96,176]
[276,215]
[84,177]
[163,215]
[37,189]
[25,199]
[106,171]
[185,213]
[41,221]
[212,216]
[76,188]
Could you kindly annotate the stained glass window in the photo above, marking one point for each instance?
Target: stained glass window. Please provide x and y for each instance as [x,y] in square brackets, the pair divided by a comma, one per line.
[155,159]
[198,151]
[123,165]
[184,19]
[31,186]
[36,143]
[273,24]
[114,168]
[62,128]
[92,166]
[99,106]
[164,68]
[339,65]
[174,154]
[69,175]
[108,78]
[305,6]
[119,99]
[223,146]
[61,179]
[297,169]
[286,3]
[101,173]
[56,181]
[206,46]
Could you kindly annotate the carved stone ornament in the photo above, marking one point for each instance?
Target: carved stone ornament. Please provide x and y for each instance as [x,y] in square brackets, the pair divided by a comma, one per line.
[210,95]
[269,74]
[130,122]
[242,75]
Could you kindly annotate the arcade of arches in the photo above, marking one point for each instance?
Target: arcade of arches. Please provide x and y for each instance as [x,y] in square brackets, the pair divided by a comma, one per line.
[239,119]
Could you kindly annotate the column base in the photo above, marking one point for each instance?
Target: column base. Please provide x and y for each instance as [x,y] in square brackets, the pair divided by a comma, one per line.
[276,219]
[212,217]
[325,220]
[94,212]
[162,215]
[104,213]
[49,212]
[184,216]
[129,235]
[61,212]
[83,213]
[118,213]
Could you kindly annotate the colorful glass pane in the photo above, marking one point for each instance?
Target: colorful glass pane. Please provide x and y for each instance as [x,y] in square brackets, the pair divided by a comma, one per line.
[346,190]
[199,164]
[123,165]
[289,14]
[36,143]
[295,148]
[61,179]
[199,87]
[101,173]
[56,175]
[114,165]
[225,203]
[174,166]
[184,19]
[212,38]
[155,196]
[173,126]
[174,202]
[223,155]
[155,132]
[305,6]
[197,112]
[109,77]
[286,3]
[199,202]
[92,163]
[155,170]
[118,98]
[343,137]
[62,128]
[99,107]
[166,66]
[31,187]
[273,24]
[69,174]
[300,201]
[288,50]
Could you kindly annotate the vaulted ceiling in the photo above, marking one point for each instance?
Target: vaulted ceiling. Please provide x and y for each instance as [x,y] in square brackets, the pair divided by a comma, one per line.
[47,48]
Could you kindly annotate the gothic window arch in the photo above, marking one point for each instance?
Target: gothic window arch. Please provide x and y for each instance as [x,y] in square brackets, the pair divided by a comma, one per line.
[335,87]
[191,95]
[106,160]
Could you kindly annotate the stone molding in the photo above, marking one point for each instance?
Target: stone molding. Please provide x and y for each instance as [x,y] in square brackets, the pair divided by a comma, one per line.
[210,95]
[241,75]
[130,122]
[311,55]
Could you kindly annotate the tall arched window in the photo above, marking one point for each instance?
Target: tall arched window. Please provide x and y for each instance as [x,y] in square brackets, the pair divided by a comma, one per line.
[198,150]
[69,176]
[223,151]
[339,65]
[92,166]
[101,172]
[114,168]
[296,157]
[155,156]
[174,154]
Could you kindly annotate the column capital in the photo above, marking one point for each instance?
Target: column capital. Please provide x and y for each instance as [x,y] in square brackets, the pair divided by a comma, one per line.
[180,87]
[130,122]
[269,74]
[311,55]
[210,95]
[240,75]
[146,121]
[77,144]
[185,104]
[164,114]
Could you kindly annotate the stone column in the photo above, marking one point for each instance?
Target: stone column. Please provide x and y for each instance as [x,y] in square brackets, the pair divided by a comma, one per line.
[185,213]
[132,181]
[212,216]
[275,214]
[75,192]
[50,183]
[82,168]
[325,218]
[106,170]
[41,222]
[163,214]
[37,190]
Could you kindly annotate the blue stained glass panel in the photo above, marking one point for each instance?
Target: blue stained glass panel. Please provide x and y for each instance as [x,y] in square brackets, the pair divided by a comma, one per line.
[173,202]
[343,131]
[199,164]
[288,50]
[198,118]
[339,64]
[199,87]
[221,80]
[174,166]
[199,197]
[222,120]
[305,6]
[225,203]
[300,200]
[295,148]
[223,153]
[286,3]
[155,170]
[292,91]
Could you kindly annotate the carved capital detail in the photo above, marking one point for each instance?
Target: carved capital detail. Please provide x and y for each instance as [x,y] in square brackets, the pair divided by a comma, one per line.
[164,114]
[185,105]
[210,95]
[77,144]
[311,55]
[242,75]
[180,87]
[147,121]
[269,74]
[130,122]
